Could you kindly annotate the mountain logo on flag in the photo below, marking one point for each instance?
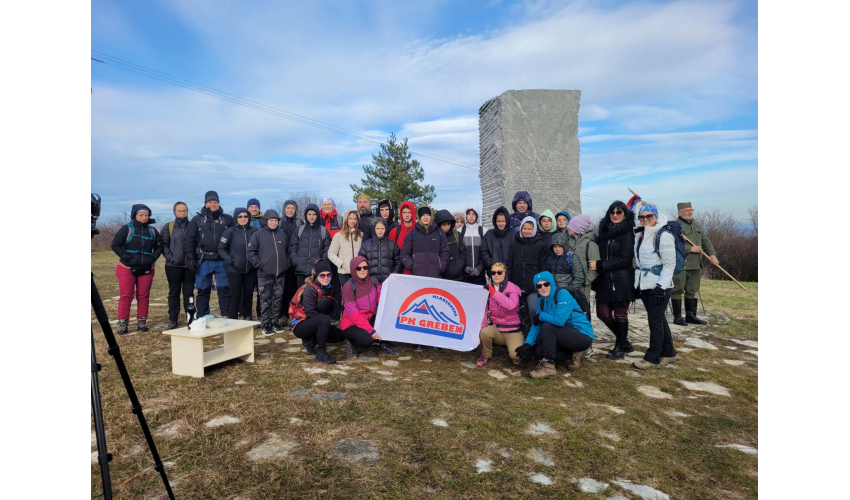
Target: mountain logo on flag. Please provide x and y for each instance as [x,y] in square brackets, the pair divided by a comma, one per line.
[432,311]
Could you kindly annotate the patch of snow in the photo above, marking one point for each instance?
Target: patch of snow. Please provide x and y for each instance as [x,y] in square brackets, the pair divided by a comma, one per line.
[540,479]
[541,457]
[610,435]
[484,465]
[439,422]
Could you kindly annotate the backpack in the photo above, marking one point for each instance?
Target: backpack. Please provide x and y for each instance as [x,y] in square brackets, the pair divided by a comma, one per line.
[675,229]
[324,230]
[170,228]
[132,234]
[580,299]
[354,285]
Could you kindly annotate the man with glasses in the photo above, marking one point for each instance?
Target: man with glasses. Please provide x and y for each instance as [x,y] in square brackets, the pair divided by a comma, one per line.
[688,281]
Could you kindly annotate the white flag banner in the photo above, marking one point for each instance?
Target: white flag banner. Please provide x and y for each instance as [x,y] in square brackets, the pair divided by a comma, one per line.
[431,311]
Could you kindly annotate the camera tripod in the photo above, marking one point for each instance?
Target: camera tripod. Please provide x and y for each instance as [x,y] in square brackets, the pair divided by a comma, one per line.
[103,457]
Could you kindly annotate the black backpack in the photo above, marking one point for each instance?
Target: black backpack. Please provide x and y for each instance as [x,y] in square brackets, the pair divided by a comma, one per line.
[579,297]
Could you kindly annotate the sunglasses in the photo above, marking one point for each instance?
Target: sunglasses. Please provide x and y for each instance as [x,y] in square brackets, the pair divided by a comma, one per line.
[616,211]
[325,275]
[242,217]
[498,273]
[362,268]
[646,217]
[542,285]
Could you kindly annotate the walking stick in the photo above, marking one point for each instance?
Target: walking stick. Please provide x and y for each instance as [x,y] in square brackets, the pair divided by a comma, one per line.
[717,265]
[702,303]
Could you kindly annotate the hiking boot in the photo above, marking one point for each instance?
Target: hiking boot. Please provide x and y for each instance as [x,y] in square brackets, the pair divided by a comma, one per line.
[667,361]
[309,345]
[352,351]
[482,361]
[278,328]
[691,312]
[643,364]
[267,331]
[171,325]
[545,369]
[387,350]
[142,325]
[575,363]
[122,327]
[322,356]
[677,312]
[588,353]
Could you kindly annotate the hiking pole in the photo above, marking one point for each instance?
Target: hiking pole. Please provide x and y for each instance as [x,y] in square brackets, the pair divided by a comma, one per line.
[716,265]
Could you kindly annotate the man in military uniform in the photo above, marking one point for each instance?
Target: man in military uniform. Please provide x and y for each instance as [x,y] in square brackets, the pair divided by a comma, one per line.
[688,280]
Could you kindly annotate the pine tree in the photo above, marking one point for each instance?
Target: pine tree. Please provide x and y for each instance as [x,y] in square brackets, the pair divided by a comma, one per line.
[394,176]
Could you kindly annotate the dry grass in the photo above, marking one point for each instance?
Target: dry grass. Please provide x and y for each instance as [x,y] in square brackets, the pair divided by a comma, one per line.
[418,459]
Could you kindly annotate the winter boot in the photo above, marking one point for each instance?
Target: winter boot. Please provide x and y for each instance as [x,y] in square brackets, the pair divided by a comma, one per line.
[623,345]
[691,312]
[172,324]
[142,325]
[546,369]
[386,349]
[322,356]
[352,351]
[574,364]
[122,327]
[309,345]
[677,312]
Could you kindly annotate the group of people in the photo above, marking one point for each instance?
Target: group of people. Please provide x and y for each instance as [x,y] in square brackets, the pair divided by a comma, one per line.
[539,271]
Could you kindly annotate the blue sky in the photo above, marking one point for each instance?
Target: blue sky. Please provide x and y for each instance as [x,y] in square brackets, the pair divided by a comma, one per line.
[669,101]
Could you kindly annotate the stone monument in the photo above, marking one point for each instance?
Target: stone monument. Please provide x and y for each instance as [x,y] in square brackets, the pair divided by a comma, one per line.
[527,142]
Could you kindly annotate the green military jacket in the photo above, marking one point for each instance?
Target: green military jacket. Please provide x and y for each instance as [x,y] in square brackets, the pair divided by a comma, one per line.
[585,250]
[695,233]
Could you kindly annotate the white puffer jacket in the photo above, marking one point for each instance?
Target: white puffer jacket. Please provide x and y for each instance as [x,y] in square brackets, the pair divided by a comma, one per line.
[341,251]
[650,268]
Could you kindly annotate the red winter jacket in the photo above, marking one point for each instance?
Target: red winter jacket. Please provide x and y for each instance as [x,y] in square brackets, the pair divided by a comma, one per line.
[398,233]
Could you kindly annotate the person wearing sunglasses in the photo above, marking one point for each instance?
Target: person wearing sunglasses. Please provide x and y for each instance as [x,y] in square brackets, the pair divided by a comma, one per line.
[310,313]
[614,285]
[267,251]
[382,252]
[526,257]
[505,327]
[563,330]
[654,279]
[360,298]
[233,248]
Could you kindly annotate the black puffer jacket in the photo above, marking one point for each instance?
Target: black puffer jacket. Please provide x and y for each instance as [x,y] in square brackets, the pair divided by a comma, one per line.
[383,255]
[290,223]
[204,233]
[391,222]
[425,251]
[172,243]
[267,249]
[616,252]
[319,301]
[526,258]
[233,246]
[497,242]
[457,250]
[366,221]
[144,246]
[313,243]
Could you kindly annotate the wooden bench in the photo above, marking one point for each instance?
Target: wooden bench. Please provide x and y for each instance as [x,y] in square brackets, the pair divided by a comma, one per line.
[187,347]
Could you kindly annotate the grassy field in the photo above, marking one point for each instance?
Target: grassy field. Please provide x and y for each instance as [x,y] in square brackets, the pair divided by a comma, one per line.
[603,426]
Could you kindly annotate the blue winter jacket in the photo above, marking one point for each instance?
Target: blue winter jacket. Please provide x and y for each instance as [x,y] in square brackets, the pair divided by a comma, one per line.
[563,311]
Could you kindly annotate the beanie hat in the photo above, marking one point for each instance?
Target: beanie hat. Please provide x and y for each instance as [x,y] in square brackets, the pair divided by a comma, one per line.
[683,205]
[328,199]
[211,196]
[271,214]
[424,209]
[253,201]
[322,266]
[579,224]
[365,196]
[650,208]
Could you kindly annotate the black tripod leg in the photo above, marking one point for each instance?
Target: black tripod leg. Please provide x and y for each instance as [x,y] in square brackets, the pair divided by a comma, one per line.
[103,457]
[136,407]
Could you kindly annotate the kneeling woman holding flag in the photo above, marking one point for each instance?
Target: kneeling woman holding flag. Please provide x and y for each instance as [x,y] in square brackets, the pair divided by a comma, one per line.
[360,297]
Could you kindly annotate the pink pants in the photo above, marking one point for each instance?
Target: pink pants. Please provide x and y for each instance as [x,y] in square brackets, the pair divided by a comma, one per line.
[128,285]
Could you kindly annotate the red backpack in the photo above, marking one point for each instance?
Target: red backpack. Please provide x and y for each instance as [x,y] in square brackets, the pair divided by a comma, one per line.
[296,308]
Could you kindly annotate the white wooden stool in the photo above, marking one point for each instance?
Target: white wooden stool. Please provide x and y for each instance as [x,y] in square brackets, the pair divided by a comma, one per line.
[187,347]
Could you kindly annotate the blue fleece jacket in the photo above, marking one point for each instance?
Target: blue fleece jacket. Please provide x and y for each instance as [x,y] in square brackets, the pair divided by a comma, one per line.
[558,309]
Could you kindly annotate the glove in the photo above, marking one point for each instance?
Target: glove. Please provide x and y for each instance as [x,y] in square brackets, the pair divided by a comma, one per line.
[475,272]
[192,264]
[468,270]
[537,319]
[523,351]
[490,289]
[658,295]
